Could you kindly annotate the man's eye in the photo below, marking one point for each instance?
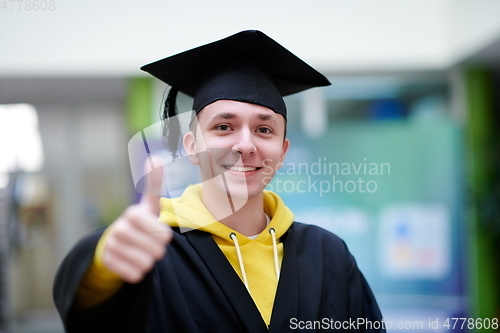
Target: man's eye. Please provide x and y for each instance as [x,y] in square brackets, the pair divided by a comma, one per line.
[223,127]
[264,130]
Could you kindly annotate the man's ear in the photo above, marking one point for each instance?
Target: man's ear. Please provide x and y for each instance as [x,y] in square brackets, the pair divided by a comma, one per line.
[284,149]
[189,142]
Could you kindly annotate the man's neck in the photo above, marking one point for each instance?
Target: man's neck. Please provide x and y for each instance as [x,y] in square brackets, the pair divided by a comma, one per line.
[249,220]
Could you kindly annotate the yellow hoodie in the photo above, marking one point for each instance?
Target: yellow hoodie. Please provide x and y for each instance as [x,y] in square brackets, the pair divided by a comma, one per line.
[258,257]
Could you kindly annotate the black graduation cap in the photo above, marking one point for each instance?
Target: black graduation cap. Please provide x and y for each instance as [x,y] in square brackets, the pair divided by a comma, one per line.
[248,66]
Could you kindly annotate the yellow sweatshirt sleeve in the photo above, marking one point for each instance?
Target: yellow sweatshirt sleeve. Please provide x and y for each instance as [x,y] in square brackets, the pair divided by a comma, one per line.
[99,283]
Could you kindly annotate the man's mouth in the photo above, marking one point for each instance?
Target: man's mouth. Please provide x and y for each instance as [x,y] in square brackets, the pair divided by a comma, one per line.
[240,168]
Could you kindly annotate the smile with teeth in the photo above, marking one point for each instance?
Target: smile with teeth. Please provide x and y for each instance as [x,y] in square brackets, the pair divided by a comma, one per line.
[240,168]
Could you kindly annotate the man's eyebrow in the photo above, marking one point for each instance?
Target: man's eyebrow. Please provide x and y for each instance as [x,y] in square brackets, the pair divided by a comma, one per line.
[224,115]
[230,115]
[267,117]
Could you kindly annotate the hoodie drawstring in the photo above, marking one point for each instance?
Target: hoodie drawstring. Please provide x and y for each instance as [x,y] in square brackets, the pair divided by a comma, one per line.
[240,258]
[275,253]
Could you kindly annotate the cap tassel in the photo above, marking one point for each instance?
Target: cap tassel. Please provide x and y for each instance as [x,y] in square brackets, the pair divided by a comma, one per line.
[171,133]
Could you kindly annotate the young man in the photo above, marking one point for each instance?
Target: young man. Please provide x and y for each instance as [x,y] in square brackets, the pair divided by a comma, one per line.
[233,260]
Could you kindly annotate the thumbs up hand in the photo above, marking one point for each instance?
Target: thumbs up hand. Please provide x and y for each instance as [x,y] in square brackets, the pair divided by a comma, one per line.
[137,239]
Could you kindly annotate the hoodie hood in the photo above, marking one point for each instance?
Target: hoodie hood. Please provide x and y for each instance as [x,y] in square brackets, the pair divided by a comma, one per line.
[188,212]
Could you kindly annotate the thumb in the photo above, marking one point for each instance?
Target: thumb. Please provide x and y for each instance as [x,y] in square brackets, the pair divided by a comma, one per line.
[153,178]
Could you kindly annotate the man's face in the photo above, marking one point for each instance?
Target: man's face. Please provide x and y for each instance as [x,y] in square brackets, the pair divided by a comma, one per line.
[243,142]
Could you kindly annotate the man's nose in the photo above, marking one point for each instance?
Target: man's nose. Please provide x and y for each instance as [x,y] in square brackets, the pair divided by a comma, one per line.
[245,144]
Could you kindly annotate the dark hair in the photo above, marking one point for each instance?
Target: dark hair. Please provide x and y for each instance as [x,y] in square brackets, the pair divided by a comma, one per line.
[171,129]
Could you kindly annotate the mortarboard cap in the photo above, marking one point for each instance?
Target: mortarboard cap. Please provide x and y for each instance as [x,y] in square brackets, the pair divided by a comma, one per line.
[248,67]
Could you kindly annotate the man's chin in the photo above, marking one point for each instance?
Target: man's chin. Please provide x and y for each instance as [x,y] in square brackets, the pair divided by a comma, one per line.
[234,189]
[239,196]
[237,191]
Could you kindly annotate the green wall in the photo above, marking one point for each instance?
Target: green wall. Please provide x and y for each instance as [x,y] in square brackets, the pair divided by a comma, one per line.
[483,259]
[139,104]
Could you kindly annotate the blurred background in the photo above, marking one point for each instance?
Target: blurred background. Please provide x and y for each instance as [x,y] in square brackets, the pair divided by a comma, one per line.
[400,154]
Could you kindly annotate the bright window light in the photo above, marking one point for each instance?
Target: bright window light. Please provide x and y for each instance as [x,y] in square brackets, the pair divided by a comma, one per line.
[20,142]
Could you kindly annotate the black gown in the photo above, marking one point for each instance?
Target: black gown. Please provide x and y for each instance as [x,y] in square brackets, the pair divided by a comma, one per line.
[195,289]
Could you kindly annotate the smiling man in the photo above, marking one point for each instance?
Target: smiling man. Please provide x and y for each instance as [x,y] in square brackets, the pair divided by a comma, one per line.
[227,255]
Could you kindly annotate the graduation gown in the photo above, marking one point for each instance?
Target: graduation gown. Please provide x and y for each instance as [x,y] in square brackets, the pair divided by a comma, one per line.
[195,289]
